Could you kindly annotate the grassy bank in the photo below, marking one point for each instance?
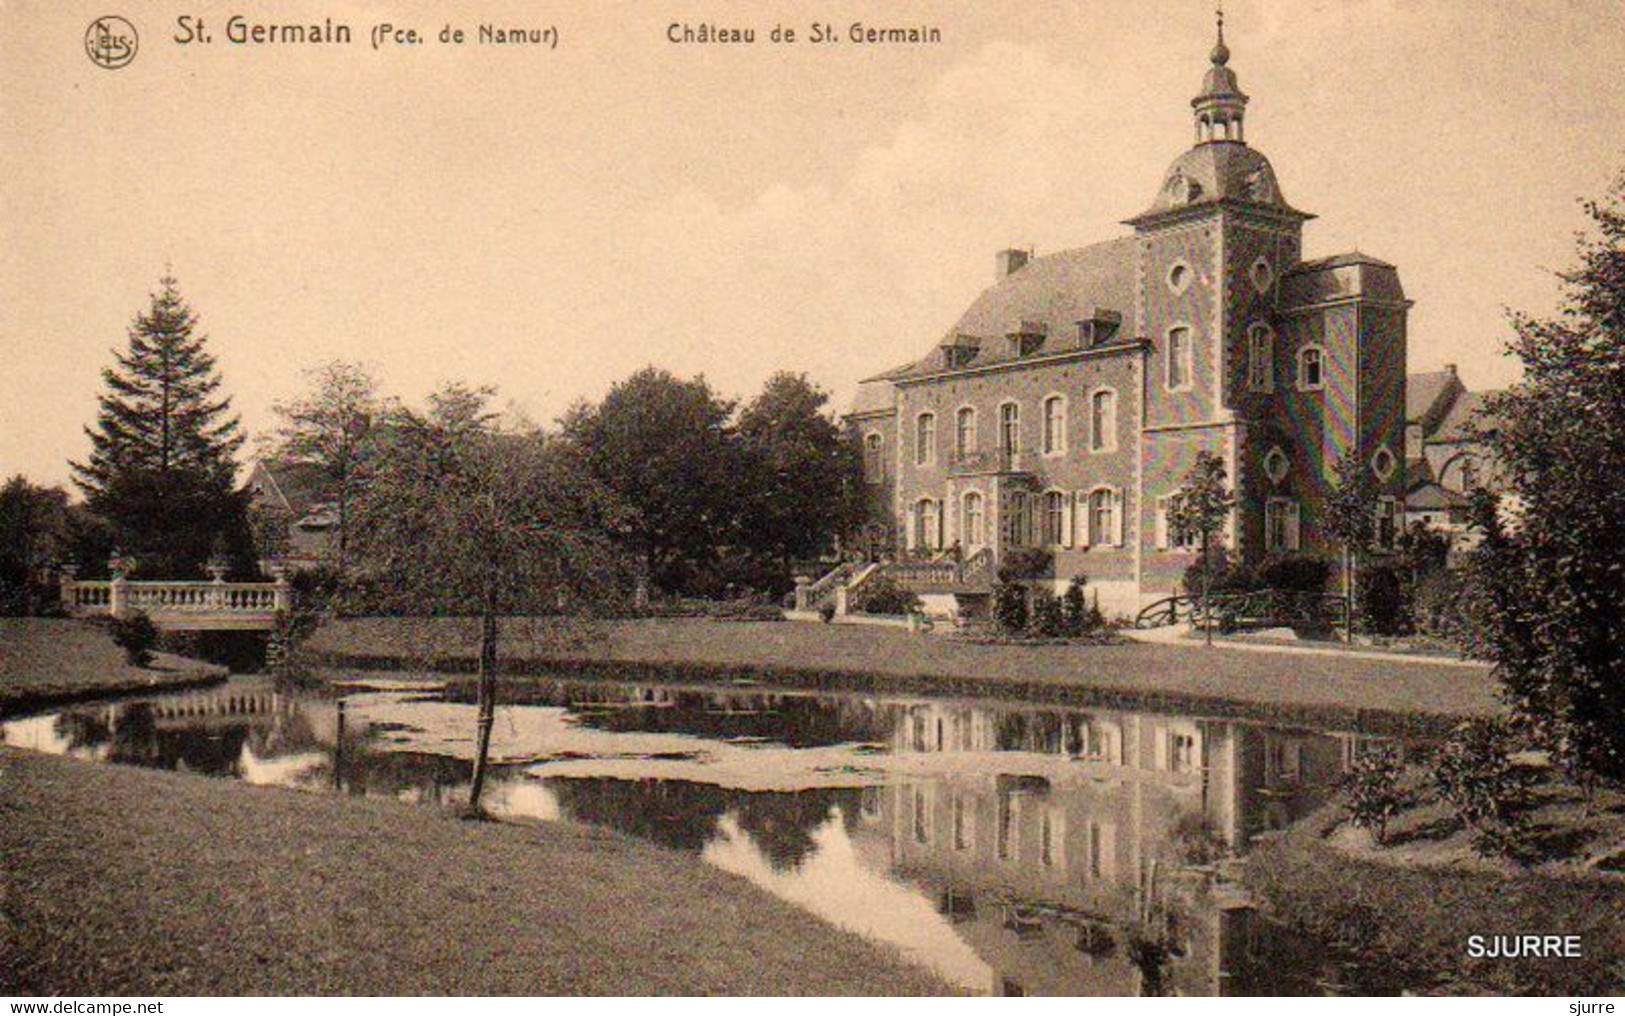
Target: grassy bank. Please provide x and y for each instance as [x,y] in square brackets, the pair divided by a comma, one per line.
[1362,693]
[134,882]
[50,661]
[1418,919]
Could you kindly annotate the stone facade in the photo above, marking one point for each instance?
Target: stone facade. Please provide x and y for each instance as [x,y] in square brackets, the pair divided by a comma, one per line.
[1074,395]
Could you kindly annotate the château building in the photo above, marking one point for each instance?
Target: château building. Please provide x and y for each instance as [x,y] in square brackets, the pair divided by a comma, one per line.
[1059,412]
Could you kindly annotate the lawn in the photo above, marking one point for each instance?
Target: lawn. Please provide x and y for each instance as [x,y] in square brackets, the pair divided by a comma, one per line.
[125,881]
[1226,681]
[45,661]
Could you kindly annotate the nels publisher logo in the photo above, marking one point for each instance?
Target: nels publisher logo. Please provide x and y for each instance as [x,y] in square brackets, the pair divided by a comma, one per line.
[111,42]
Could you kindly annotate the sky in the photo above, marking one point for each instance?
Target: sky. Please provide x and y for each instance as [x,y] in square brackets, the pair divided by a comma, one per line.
[549,221]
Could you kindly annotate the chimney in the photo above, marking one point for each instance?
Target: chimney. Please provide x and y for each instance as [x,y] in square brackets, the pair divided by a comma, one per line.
[1450,369]
[1011,261]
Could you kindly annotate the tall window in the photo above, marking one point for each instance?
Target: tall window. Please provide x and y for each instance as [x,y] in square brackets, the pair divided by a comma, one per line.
[1281,523]
[928,525]
[1261,358]
[1386,530]
[1102,517]
[964,432]
[1103,421]
[1009,428]
[1311,369]
[1018,519]
[1054,425]
[925,439]
[975,518]
[1054,518]
[1179,358]
[874,463]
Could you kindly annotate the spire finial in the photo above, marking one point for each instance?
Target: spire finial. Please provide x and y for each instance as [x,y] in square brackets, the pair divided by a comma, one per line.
[1221,52]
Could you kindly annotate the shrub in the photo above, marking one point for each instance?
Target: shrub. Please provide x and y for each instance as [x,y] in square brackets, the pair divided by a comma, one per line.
[1475,775]
[1025,563]
[1375,794]
[1229,576]
[1075,606]
[882,595]
[1010,607]
[1296,573]
[1384,600]
[136,635]
[1047,620]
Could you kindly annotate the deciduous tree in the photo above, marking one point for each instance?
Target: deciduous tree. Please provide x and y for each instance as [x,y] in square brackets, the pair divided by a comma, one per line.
[459,518]
[1199,510]
[1554,552]
[330,427]
[1350,520]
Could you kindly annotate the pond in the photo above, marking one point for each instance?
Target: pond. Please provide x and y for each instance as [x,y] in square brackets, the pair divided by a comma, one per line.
[1011,848]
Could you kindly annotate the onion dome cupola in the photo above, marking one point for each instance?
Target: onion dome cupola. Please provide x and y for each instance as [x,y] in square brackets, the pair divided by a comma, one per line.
[1221,108]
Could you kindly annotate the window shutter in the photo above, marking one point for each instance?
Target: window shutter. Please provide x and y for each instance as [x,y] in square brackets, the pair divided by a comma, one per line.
[1081,500]
[1294,519]
[1162,524]
[1118,504]
[1160,746]
[1068,511]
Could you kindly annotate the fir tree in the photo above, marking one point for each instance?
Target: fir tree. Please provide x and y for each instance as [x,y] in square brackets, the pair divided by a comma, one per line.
[161,473]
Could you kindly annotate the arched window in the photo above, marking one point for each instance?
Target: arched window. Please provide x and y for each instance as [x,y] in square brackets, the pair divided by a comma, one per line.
[975,520]
[965,432]
[1178,367]
[1103,421]
[925,439]
[1311,369]
[1261,358]
[1102,517]
[1009,428]
[1054,425]
[874,462]
[927,525]
[1018,519]
[1282,520]
[1054,522]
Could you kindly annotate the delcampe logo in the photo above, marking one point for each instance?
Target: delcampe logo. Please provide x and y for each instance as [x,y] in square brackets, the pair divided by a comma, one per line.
[111,42]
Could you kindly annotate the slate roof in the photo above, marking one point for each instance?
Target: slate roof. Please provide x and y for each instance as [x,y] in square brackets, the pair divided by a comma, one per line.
[1468,411]
[298,487]
[1432,497]
[1422,391]
[1054,293]
[1219,171]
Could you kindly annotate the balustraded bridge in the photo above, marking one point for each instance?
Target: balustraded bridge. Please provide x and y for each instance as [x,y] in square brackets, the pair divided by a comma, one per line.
[182,606]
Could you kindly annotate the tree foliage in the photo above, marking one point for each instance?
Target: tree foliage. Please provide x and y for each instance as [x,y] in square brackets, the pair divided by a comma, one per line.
[805,477]
[161,472]
[34,535]
[1553,557]
[459,518]
[1198,510]
[663,446]
[331,427]
[1350,520]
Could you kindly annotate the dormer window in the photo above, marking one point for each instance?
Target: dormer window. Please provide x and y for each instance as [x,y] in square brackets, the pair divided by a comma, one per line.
[1099,328]
[1028,338]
